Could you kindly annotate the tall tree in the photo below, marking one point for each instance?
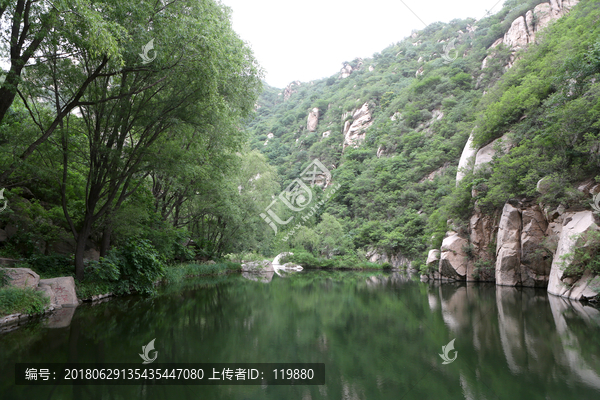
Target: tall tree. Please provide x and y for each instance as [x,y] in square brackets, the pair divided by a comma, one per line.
[200,68]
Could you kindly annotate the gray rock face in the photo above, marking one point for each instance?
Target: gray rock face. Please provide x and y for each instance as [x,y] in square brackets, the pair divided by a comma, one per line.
[453,260]
[355,132]
[22,277]
[523,29]
[535,261]
[482,232]
[521,259]
[581,287]
[258,266]
[313,120]
[508,248]
[61,291]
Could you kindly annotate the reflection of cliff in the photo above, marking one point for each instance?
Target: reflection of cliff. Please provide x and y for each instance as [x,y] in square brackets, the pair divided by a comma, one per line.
[525,331]
[573,350]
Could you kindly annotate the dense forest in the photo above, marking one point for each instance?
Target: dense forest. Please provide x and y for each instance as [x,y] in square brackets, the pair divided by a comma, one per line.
[116,163]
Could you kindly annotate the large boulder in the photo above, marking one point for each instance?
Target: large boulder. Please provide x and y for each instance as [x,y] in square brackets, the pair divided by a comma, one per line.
[508,247]
[453,259]
[258,266]
[585,286]
[22,277]
[60,290]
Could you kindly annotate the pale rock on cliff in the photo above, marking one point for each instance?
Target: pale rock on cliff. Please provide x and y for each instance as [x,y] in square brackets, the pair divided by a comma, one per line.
[508,248]
[313,120]
[346,71]
[453,259]
[290,89]
[355,132]
[581,287]
[523,29]
[486,154]
[521,259]
[466,159]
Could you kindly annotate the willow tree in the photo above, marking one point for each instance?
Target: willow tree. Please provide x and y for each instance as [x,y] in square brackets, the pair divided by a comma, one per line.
[180,66]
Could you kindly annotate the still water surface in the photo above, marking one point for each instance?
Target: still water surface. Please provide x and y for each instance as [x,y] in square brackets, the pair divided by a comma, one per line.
[378,334]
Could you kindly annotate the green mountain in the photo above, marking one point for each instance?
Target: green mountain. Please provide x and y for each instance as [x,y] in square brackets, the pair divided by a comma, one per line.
[392,129]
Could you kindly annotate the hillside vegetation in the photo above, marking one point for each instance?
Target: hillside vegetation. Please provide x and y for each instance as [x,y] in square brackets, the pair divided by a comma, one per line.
[398,193]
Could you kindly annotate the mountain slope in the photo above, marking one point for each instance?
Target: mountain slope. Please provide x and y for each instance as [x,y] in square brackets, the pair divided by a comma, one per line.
[392,129]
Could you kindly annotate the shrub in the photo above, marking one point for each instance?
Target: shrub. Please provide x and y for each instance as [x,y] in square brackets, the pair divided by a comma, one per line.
[135,266]
[140,268]
[26,301]
[51,266]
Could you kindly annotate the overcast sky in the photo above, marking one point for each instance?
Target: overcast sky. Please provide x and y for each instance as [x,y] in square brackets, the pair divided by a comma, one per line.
[310,39]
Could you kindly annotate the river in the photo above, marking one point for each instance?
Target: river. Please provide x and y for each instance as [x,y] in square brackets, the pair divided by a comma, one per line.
[378,334]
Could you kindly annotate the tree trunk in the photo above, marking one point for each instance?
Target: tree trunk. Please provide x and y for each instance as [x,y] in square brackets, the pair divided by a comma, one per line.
[105,244]
[82,238]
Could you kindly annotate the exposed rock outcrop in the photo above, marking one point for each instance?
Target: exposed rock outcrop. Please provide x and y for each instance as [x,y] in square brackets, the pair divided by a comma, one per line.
[486,154]
[508,248]
[521,258]
[453,259]
[523,30]
[581,287]
[313,120]
[346,71]
[290,89]
[258,266]
[355,132]
[482,234]
[22,277]
[466,159]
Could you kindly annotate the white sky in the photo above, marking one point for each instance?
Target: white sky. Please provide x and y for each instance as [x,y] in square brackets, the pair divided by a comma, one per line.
[310,39]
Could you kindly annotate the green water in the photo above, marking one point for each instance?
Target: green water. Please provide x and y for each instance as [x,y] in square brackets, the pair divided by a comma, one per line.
[379,336]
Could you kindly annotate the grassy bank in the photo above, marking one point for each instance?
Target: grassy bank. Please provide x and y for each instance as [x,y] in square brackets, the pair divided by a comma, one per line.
[169,275]
[24,301]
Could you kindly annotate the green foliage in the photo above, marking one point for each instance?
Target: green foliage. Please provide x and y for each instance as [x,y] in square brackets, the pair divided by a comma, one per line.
[22,300]
[51,266]
[136,266]
[4,278]
[585,257]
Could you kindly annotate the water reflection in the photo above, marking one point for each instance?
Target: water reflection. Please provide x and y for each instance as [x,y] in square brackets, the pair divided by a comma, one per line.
[379,335]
